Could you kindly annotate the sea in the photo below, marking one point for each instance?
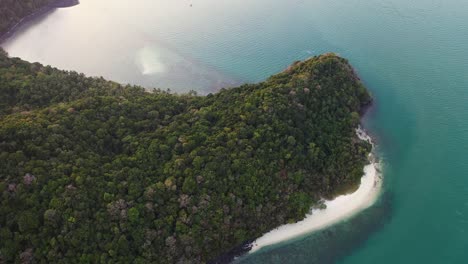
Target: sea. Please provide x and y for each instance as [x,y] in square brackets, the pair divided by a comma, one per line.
[411,55]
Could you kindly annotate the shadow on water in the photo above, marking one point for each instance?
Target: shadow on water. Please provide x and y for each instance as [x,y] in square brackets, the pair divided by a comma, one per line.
[389,121]
[329,245]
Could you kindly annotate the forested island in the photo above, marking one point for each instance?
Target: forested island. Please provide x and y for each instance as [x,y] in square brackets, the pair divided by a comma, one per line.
[95,171]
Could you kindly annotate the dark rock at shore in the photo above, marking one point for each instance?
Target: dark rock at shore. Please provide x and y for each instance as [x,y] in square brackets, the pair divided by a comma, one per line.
[238,251]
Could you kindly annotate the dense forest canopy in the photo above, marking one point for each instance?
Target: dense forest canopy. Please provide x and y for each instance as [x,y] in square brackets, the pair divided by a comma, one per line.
[94,171]
[12,11]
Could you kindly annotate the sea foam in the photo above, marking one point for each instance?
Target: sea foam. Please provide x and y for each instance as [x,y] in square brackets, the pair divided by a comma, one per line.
[338,209]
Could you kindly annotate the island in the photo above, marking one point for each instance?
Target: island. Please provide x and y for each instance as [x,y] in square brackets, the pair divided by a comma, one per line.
[95,171]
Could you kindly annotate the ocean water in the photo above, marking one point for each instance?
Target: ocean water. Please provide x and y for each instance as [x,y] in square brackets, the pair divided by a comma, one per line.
[412,55]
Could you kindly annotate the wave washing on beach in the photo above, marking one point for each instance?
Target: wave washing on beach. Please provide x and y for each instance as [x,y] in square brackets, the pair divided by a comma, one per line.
[336,210]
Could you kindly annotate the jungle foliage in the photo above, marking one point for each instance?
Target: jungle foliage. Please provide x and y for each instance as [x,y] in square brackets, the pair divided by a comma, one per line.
[93,171]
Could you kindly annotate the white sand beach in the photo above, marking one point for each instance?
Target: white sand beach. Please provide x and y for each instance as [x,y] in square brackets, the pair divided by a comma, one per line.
[336,210]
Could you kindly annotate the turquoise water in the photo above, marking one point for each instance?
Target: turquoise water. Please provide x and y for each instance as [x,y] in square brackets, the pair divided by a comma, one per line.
[411,54]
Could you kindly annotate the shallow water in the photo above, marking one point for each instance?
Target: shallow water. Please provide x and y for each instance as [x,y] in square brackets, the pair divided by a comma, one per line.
[411,55]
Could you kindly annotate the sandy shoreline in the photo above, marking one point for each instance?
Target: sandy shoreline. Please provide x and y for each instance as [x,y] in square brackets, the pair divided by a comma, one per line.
[338,209]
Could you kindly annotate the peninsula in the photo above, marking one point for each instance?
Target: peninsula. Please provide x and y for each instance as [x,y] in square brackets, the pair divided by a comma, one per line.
[95,171]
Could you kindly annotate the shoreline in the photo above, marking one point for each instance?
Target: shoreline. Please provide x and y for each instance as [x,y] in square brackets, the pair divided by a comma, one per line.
[338,209]
[39,12]
[365,196]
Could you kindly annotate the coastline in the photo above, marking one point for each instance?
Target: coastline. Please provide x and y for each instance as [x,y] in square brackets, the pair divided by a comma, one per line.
[39,12]
[286,232]
[338,209]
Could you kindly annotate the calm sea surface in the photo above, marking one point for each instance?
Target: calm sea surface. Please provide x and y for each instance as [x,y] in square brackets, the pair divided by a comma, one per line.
[412,55]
